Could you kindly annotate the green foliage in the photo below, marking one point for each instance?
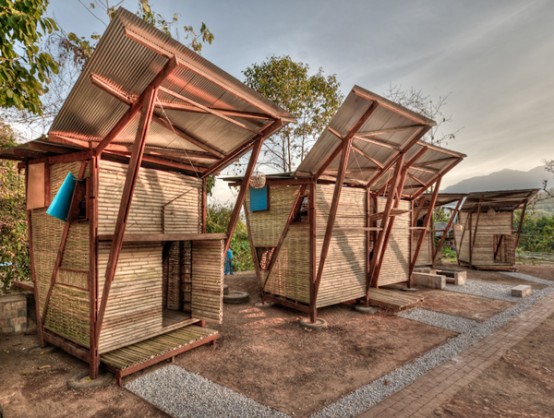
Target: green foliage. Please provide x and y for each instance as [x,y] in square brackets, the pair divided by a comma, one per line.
[14,250]
[537,234]
[441,215]
[24,70]
[312,99]
[217,222]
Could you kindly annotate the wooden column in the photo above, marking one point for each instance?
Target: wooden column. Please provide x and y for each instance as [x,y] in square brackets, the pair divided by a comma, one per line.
[421,238]
[474,235]
[445,232]
[313,244]
[520,226]
[347,146]
[92,210]
[204,203]
[125,204]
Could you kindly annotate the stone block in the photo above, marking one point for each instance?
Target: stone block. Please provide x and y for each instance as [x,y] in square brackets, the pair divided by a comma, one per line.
[521,291]
[454,277]
[433,281]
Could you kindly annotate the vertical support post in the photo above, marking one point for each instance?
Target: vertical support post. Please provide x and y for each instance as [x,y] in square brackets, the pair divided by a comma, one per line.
[347,147]
[378,251]
[465,228]
[92,209]
[474,235]
[445,232]
[126,199]
[204,204]
[313,261]
[520,226]
[242,192]
[31,254]
[421,238]
[470,226]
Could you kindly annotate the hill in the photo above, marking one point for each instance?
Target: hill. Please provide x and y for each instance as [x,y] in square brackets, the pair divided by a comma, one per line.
[503,180]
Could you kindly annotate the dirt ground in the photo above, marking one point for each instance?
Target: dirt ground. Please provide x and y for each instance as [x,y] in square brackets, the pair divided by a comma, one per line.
[265,355]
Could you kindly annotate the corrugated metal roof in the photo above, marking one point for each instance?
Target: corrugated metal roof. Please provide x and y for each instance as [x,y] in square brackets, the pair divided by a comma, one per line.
[501,200]
[389,130]
[200,108]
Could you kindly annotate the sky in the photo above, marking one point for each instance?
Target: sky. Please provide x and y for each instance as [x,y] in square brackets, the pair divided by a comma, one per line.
[494,60]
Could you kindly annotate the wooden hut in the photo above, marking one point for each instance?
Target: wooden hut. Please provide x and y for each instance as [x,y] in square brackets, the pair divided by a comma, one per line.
[430,248]
[484,234]
[340,225]
[127,276]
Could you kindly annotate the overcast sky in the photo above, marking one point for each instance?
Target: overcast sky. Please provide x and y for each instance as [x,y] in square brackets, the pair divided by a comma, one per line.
[494,58]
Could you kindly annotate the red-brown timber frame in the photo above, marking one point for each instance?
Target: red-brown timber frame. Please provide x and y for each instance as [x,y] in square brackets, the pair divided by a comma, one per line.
[426,223]
[446,229]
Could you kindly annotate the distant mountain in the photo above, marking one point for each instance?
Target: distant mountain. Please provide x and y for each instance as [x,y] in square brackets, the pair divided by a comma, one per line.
[503,180]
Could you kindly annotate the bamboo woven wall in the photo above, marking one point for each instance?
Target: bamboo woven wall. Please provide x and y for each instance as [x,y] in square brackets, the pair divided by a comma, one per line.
[207,280]
[490,224]
[426,252]
[395,268]
[134,308]
[266,227]
[162,202]
[344,273]
[68,311]
[290,277]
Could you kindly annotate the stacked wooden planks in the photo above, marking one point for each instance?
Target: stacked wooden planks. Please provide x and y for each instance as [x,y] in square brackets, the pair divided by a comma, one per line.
[395,300]
[207,280]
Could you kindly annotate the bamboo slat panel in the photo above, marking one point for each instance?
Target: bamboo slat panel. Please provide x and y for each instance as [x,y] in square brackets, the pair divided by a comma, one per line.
[266,227]
[426,252]
[162,201]
[290,277]
[134,308]
[344,274]
[68,314]
[396,261]
[207,280]
[490,224]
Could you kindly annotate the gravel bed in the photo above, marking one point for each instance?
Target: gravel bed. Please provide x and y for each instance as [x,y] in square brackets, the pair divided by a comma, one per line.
[485,289]
[438,319]
[182,394]
[523,276]
[367,396]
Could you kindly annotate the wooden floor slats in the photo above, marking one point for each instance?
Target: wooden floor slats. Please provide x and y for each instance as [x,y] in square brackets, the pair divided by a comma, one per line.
[393,299]
[130,359]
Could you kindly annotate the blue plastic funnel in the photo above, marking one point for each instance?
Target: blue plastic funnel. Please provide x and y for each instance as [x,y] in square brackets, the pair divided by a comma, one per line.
[59,207]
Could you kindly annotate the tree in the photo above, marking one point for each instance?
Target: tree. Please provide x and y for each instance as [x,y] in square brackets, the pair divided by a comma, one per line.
[14,251]
[548,167]
[312,99]
[425,105]
[25,70]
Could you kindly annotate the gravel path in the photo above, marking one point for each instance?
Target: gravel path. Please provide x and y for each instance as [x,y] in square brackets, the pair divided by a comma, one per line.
[182,394]
[523,276]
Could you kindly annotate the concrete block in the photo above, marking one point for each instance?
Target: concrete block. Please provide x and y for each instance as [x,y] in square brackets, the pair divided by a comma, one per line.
[521,291]
[454,277]
[433,281]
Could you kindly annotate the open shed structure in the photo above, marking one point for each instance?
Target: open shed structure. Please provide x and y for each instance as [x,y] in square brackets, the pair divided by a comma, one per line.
[129,275]
[430,248]
[485,233]
[339,227]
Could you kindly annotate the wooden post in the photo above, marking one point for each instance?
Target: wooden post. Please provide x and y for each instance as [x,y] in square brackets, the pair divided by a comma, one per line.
[204,203]
[242,193]
[313,260]
[347,146]
[520,226]
[445,232]
[92,209]
[125,204]
[377,252]
[474,235]
[421,238]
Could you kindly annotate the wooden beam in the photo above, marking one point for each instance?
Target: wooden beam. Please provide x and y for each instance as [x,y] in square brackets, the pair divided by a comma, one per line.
[328,161]
[439,174]
[92,209]
[435,161]
[474,237]
[423,233]
[206,109]
[312,220]
[171,236]
[242,192]
[371,134]
[520,226]
[204,203]
[294,208]
[380,142]
[244,148]
[166,71]
[126,199]
[208,75]
[446,229]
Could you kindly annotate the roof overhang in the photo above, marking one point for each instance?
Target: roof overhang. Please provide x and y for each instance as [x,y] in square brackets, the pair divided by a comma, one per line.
[500,200]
